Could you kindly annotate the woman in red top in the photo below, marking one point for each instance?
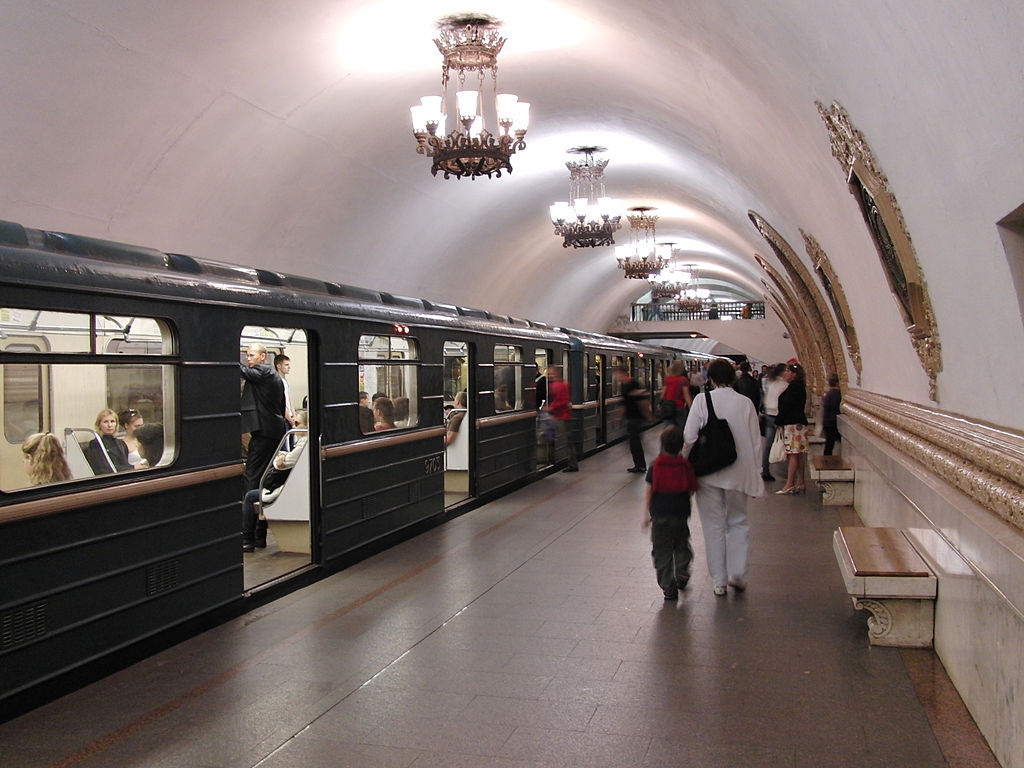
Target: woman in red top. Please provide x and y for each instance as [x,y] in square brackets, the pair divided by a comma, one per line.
[677,390]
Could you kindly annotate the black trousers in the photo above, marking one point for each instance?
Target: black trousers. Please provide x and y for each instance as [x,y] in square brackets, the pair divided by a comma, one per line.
[634,428]
[261,452]
[670,550]
[831,436]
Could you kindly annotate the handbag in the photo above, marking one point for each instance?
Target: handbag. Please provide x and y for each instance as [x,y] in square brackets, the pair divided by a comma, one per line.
[715,448]
[778,450]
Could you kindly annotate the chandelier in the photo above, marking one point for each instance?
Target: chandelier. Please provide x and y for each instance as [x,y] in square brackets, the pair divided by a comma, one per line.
[671,281]
[692,297]
[640,259]
[590,218]
[469,44]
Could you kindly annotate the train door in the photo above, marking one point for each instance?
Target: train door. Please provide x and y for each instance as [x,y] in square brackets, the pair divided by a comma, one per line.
[459,421]
[545,430]
[599,373]
[281,511]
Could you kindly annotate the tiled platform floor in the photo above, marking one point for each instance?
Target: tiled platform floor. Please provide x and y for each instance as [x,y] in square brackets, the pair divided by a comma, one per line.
[530,633]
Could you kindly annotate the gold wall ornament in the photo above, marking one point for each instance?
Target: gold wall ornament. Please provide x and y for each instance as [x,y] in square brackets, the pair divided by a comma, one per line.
[800,344]
[836,296]
[885,222]
[810,298]
[983,461]
[805,341]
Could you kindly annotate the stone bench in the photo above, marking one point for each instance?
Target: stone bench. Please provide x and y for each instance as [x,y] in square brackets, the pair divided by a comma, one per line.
[835,478]
[886,575]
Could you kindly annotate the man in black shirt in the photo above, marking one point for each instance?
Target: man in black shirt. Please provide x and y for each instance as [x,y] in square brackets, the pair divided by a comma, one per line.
[634,401]
[262,412]
[747,385]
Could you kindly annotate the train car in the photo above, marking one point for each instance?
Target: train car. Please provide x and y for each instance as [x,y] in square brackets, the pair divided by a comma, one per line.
[103,559]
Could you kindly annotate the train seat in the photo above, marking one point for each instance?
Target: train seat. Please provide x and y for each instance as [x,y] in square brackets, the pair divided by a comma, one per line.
[286,508]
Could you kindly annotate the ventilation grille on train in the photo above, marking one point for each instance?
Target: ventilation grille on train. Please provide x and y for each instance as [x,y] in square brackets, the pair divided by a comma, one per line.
[161,577]
[22,624]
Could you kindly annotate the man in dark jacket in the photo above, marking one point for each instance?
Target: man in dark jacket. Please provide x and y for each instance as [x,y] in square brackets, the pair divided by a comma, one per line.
[262,412]
[747,385]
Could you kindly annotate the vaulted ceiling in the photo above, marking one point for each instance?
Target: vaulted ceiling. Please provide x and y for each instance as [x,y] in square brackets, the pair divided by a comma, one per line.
[277,134]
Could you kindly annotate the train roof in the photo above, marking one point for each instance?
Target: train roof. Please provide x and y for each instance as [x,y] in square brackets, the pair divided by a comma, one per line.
[55,259]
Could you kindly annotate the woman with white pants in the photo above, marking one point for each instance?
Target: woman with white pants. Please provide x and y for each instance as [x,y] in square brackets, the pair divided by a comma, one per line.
[722,496]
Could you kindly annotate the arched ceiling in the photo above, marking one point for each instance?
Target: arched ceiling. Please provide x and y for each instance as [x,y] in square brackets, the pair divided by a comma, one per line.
[277,134]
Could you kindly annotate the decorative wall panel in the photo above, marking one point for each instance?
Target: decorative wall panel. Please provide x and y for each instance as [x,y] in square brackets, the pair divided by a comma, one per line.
[836,296]
[884,220]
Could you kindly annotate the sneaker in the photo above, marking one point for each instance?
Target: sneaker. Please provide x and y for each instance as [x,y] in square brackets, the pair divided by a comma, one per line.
[720,591]
[248,547]
[738,584]
[634,470]
[671,595]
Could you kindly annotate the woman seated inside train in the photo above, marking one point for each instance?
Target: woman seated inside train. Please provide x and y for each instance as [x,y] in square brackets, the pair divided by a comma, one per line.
[151,444]
[107,454]
[455,418]
[254,530]
[45,461]
[383,414]
[130,421]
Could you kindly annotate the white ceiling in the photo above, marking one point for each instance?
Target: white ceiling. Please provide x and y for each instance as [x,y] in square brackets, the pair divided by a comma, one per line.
[276,133]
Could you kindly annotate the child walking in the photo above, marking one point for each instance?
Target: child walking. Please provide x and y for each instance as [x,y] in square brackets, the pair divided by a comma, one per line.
[670,481]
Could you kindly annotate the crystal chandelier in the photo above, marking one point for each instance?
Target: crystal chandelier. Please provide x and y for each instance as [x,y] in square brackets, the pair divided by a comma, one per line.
[590,218]
[692,297]
[671,281]
[469,44]
[639,260]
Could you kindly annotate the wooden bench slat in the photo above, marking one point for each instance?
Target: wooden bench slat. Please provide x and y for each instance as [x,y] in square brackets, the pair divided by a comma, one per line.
[829,463]
[882,552]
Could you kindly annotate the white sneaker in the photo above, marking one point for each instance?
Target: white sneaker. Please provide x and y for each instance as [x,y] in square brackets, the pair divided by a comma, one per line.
[720,591]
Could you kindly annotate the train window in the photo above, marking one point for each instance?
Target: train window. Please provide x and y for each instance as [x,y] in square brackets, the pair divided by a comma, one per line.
[391,378]
[508,377]
[616,384]
[77,419]
[73,333]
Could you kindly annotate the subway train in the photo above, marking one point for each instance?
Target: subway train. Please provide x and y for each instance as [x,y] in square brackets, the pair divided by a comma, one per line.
[104,562]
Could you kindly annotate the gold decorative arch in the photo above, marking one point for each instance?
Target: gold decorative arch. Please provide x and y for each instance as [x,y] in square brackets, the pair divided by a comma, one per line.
[811,301]
[885,222]
[836,296]
[810,350]
[804,349]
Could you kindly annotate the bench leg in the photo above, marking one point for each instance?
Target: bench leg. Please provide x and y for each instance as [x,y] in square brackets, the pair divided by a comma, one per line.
[900,622]
[836,493]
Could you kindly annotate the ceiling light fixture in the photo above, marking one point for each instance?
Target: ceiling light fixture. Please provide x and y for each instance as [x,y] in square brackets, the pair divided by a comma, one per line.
[470,43]
[639,260]
[692,297]
[590,218]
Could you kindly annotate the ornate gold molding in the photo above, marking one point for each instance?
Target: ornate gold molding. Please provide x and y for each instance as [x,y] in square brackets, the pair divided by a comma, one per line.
[796,335]
[983,461]
[810,300]
[888,229]
[836,296]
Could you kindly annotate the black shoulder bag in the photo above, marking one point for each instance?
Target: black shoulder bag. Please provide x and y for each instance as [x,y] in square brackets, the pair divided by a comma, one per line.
[715,448]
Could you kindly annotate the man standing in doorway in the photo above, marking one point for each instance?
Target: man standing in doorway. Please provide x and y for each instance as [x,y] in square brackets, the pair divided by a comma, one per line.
[633,398]
[262,412]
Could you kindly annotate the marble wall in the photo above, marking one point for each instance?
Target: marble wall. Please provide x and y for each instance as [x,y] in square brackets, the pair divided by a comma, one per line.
[978,557]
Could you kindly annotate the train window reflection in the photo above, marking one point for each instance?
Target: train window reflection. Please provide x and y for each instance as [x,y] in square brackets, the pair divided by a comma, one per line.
[616,384]
[391,382]
[508,377]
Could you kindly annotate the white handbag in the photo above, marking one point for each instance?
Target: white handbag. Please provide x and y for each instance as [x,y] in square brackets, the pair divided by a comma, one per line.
[778,449]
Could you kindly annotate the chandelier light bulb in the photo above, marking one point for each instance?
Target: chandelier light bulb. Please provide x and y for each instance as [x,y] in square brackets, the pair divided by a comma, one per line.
[521,117]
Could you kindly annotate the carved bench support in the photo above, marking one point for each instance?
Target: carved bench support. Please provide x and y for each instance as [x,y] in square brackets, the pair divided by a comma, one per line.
[900,622]
[835,478]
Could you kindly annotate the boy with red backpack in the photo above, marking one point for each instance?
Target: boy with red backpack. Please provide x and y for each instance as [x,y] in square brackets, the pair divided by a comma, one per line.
[670,481]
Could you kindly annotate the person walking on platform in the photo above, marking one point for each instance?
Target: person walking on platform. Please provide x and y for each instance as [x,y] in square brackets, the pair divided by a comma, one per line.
[561,412]
[722,495]
[262,412]
[634,399]
[670,481]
